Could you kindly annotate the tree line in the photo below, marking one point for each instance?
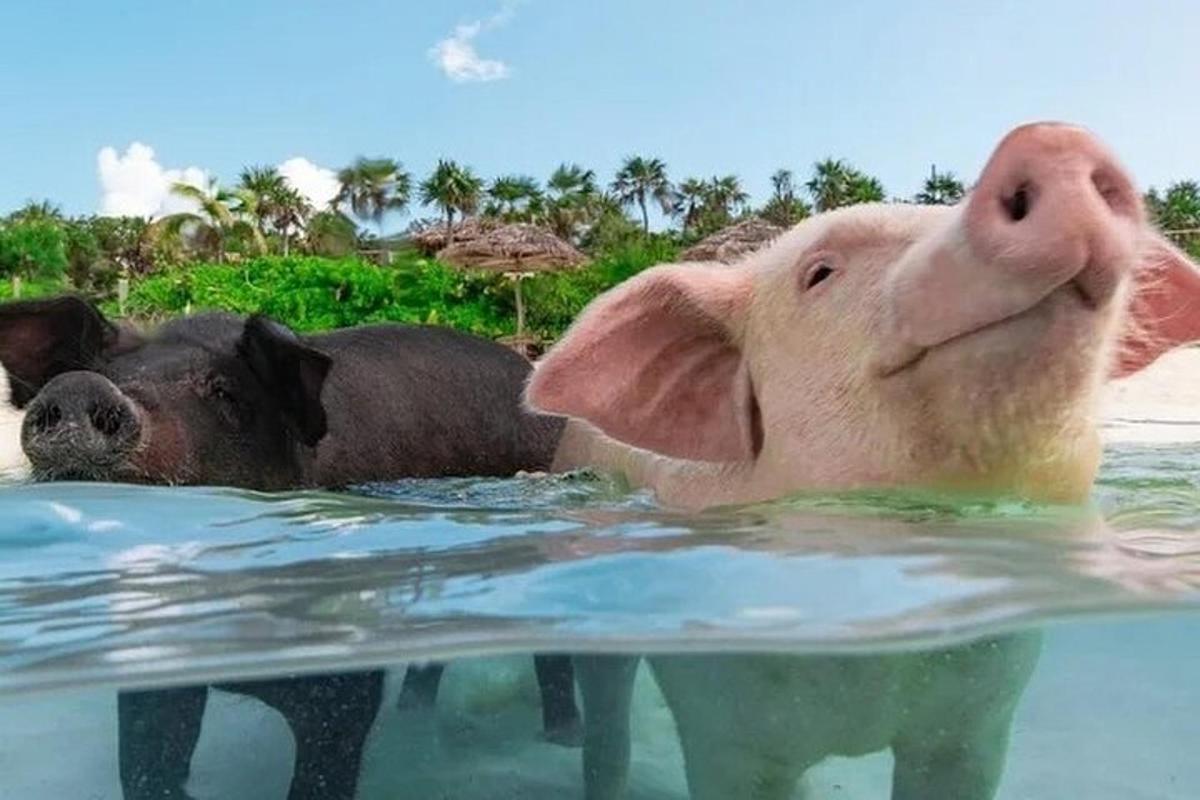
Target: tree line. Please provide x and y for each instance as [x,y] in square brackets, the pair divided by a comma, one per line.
[264,214]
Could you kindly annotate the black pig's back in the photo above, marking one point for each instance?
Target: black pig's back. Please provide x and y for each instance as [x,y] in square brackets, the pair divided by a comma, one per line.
[414,401]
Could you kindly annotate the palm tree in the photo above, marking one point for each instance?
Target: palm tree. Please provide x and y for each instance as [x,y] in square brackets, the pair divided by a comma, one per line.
[783,184]
[708,206]
[829,184]
[835,184]
[572,200]
[864,189]
[374,187]
[331,233]
[38,211]
[272,203]
[210,225]
[726,197]
[246,208]
[641,178]
[608,225]
[258,190]
[690,197]
[571,180]
[784,208]
[941,189]
[290,213]
[453,188]
[515,197]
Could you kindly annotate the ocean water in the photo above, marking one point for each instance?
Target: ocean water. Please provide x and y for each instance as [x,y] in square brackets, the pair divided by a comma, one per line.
[107,587]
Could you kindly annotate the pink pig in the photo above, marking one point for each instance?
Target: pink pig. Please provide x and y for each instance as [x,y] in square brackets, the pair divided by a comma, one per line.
[884,345]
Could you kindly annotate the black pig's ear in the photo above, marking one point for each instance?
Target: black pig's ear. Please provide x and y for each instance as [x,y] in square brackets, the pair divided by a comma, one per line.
[291,372]
[40,339]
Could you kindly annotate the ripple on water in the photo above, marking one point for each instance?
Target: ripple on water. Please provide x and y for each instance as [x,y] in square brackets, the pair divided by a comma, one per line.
[115,584]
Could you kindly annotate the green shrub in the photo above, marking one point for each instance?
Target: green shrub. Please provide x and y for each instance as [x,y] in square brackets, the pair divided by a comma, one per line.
[310,293]
[32,289]
[33,249]
[553,300]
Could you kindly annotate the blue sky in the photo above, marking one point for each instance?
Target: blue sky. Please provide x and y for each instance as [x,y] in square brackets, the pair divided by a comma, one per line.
[711,87]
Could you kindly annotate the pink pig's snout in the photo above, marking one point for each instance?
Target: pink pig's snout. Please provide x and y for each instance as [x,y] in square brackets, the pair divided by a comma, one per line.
[1052,209]
[1053,201]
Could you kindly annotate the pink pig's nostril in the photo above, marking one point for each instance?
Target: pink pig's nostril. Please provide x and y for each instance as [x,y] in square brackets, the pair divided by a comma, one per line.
[1018,203]
[1052,202]
[1116,192]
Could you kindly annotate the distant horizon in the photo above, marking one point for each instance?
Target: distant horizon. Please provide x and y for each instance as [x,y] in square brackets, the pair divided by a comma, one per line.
[112,108]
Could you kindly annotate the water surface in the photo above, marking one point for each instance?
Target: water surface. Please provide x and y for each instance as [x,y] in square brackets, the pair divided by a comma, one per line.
[106,586]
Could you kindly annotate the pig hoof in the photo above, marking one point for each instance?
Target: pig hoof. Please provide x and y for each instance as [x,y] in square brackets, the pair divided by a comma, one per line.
[569,734]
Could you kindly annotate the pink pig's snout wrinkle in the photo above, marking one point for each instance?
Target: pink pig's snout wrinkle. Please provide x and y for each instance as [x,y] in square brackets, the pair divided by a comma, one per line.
[1053,211]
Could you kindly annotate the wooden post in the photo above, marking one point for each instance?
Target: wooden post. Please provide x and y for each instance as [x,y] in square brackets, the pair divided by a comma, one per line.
[122,293]
[520,307]
[16,286]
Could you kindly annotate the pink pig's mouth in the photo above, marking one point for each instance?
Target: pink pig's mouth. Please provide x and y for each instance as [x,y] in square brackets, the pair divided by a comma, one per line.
[898,356]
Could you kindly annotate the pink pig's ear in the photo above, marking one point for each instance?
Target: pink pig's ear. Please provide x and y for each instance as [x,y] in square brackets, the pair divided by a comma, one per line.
[1164,311]
[655,363]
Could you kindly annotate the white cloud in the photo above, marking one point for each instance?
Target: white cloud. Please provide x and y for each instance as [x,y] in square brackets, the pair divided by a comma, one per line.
[457,57]
[134,184]
[318,184]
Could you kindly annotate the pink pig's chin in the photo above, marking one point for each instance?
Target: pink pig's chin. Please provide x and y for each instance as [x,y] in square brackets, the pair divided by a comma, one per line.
[897,355]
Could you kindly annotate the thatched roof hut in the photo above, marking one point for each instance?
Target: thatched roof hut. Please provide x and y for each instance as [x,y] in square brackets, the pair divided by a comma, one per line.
[512,248]
[732,243]
[430,236]
[515,250]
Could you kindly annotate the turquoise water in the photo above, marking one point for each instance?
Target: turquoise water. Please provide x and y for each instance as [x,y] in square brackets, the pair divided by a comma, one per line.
[104,587]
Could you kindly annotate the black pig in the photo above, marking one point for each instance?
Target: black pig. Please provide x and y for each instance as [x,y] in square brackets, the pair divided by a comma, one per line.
[216,399]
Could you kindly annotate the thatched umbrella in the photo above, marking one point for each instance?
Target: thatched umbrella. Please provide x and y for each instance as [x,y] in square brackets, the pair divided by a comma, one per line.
[430,236]
[731,244]
[517,251]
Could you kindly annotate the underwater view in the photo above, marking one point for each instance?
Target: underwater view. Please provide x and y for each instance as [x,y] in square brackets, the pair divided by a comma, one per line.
[109,588]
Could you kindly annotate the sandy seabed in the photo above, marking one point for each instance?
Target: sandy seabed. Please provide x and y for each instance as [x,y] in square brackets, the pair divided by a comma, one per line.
[1111,713]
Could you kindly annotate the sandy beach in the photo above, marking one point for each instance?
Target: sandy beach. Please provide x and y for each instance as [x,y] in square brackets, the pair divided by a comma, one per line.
[1168,391]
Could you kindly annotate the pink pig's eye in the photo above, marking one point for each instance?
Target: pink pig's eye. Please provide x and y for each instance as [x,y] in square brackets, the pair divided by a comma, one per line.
[818,273]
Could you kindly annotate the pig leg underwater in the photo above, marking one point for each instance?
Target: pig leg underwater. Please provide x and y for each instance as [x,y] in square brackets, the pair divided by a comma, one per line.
[329,715]
[606,684]
[556,685]
[157,733]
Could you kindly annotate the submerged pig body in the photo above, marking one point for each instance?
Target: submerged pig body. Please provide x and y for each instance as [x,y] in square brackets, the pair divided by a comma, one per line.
[944,713]
[877,346]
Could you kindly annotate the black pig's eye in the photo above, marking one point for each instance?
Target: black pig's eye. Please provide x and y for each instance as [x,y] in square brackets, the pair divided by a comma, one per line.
[217,388]
[817,273]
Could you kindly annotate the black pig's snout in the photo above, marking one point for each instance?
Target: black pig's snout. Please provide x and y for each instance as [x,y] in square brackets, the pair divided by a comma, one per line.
[80,426]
